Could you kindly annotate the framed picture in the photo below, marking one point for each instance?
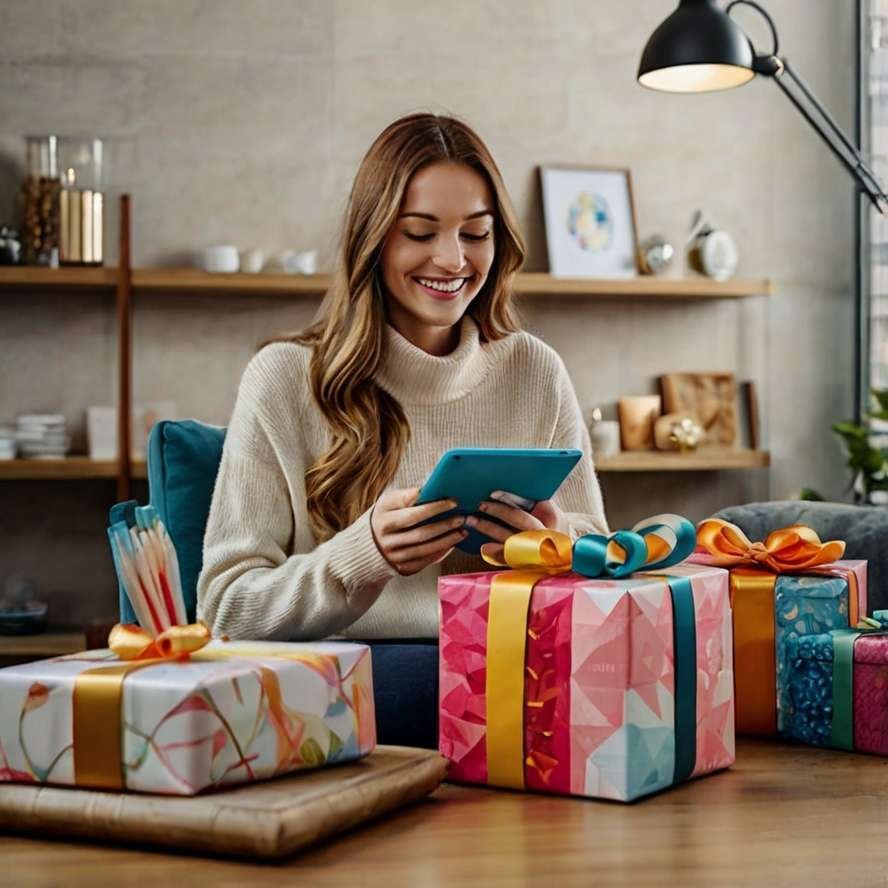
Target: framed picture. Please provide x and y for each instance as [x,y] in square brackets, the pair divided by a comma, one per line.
[590,221]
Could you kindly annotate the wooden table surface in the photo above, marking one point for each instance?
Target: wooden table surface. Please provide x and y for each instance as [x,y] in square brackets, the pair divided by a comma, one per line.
[783,815]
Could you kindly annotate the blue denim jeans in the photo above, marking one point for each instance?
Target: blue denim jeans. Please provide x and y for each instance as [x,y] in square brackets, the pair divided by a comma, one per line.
[405,689]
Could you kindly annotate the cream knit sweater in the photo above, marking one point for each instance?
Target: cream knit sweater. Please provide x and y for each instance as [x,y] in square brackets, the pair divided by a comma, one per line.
[264,575]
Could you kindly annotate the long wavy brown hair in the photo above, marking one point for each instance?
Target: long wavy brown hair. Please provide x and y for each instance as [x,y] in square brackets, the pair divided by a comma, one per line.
[369,429]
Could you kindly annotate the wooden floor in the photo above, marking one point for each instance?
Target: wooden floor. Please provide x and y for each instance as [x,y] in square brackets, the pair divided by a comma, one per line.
[782,816]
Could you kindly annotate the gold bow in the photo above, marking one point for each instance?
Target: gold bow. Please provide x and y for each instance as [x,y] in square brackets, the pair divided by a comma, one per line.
[794,548]
[546,550]
[132,642]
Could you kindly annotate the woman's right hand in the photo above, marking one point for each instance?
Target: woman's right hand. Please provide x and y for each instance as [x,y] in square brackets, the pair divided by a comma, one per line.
[408,549]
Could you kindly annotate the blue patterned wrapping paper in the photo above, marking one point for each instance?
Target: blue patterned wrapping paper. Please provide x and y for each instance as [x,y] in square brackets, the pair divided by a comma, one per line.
[804,606]
[808,683]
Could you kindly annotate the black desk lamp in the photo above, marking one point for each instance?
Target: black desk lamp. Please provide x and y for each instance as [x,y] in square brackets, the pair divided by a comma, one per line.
[699,48]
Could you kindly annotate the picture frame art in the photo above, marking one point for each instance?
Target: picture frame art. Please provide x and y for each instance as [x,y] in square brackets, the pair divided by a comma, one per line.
[589,214]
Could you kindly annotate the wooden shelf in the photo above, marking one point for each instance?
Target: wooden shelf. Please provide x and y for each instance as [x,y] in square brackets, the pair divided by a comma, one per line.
[538,284]
[541,284]
[531,283]
[29,277]
[45,644]
[700,461]
[70,468]
[183,280]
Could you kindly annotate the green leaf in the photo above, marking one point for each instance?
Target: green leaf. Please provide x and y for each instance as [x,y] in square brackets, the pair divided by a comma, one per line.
[811,496]
[850,430]
[881,397]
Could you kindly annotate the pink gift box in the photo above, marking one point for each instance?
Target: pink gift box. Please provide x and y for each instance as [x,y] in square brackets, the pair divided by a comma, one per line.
[871,695]
[599,690]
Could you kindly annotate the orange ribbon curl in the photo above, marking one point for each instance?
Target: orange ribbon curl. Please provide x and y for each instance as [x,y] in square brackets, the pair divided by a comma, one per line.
[794,548]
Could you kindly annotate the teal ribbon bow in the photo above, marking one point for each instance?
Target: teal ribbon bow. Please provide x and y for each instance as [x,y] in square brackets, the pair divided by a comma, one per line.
[654,543]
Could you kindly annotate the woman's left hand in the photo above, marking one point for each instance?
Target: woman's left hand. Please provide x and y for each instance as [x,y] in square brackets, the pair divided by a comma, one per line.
[544,514]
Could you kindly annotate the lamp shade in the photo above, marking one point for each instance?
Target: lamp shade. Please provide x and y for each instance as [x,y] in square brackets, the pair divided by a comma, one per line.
[697,49]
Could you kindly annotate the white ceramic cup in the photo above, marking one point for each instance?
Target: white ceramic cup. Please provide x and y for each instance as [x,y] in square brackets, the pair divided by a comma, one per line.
[605,436]
[252,260]
[220,258]
[301,263]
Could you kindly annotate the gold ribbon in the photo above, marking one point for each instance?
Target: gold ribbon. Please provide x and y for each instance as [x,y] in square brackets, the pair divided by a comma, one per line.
[752,601]
[98,693]
[532,555]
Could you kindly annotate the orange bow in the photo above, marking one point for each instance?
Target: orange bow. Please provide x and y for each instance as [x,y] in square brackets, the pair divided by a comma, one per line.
[794,548]
[132,642]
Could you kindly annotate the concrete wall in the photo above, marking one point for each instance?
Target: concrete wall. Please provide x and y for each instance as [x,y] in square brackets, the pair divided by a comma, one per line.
[245,120]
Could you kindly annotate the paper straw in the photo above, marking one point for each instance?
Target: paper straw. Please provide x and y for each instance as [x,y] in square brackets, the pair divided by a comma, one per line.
[171,571]
[121,550]
[143,569]
[154,557]
[167,562]
[130,559]
[130,586]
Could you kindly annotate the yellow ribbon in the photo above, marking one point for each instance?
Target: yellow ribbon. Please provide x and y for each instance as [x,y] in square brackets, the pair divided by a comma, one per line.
[532,555]
[794,548]
[132,642]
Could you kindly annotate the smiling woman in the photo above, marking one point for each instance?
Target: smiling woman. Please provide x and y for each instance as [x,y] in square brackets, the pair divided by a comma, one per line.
[434,265]
[314,528]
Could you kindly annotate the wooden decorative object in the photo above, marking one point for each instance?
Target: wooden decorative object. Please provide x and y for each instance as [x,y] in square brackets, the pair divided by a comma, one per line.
[710,397]
[637,416]
[270,819]
[750,398]
[664,439]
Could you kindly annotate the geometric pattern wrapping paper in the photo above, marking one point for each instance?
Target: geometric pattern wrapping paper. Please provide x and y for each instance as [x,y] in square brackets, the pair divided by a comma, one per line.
[207,722]
[599,694]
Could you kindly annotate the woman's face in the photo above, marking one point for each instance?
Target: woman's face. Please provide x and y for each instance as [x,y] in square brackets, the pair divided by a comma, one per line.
[437,254]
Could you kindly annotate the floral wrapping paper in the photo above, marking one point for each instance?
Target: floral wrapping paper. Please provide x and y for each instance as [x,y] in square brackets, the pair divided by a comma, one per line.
[599,681]
[808,716]
[809,605]
[207,722]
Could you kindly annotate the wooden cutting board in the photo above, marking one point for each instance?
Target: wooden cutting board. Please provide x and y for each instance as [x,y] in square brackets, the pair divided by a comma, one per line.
[270,819]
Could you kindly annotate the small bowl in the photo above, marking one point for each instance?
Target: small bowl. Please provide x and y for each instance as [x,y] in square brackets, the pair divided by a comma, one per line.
[27,620]
[220,259]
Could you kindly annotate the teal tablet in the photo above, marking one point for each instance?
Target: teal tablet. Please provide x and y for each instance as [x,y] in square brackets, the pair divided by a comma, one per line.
[470,474]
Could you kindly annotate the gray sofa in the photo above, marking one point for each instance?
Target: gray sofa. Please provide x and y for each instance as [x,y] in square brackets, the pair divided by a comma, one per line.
[863,528]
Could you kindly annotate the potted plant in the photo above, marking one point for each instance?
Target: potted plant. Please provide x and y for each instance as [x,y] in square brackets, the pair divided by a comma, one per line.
[867,455]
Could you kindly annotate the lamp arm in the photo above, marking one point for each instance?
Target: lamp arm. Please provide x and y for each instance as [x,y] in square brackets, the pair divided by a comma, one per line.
[771,65]
[776,47]
[855,164]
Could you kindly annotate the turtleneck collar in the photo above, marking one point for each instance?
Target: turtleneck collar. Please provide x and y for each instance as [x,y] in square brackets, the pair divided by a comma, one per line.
[414,376]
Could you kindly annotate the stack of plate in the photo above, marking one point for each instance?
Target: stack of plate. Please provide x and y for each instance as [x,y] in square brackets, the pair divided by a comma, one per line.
[7,440]
[42,436]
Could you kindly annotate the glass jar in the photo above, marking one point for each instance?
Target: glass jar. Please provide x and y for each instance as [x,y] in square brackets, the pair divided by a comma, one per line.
[81,200]
[40,202]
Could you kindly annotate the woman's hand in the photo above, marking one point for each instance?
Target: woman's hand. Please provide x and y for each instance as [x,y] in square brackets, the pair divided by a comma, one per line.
[544,514]
[408,549]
